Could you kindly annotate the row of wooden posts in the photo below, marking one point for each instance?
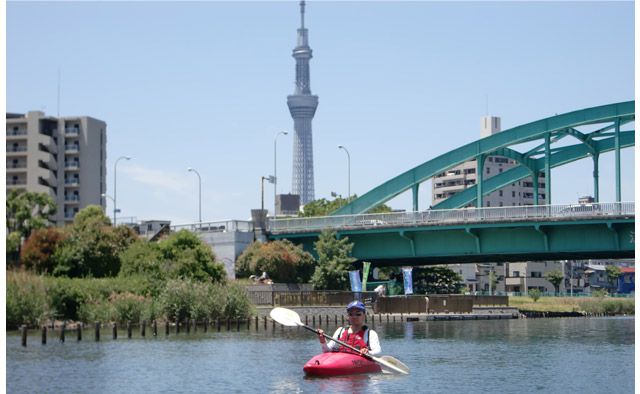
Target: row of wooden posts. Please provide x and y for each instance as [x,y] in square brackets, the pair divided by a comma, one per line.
[187,325]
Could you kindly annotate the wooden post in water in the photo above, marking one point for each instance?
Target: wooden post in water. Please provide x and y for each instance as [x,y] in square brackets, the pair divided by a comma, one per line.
[237,324]
[195,326]
[97,327]
[273,324]
[218,324]
[44,334]
[62,329]
[313,318]
[23,331]
[188,325]
[387,318]
[115,331]
[256,323]
[336,319]
[228,324]
[248,323]
[129,329]
[177,326]
[79,331]
[342,319]
[206,324]
[166,328]
[265,322]
[306,320]
[155,328]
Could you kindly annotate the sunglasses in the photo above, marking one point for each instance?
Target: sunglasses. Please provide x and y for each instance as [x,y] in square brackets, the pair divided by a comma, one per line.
[356,314]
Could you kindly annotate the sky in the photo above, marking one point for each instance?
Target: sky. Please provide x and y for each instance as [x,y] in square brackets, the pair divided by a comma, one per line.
[205,84]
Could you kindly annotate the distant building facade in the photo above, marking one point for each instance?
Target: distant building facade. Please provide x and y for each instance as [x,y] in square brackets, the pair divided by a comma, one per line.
[62,157]
[462,176]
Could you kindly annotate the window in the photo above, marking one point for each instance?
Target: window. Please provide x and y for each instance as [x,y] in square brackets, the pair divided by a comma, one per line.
[501,203]
[536,274]
[500,170]
[516,274]
[513,193]
[500,193]
[488,203]
[488,170]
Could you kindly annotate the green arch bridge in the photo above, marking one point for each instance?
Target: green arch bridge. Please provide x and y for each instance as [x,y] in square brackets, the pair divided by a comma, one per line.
[448,233]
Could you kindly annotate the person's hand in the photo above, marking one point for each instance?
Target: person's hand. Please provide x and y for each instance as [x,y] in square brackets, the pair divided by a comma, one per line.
[321,336]
[364,351]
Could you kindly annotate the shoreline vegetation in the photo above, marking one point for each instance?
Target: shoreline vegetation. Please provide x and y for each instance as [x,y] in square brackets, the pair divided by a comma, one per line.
[35,300]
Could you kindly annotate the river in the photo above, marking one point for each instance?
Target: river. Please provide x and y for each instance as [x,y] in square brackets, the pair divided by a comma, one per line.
[563,355]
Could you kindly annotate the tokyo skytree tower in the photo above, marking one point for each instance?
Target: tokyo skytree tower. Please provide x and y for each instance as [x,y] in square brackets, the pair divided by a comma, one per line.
[302,106]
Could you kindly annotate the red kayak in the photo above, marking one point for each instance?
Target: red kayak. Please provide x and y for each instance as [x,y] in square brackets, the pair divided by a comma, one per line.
[340,363]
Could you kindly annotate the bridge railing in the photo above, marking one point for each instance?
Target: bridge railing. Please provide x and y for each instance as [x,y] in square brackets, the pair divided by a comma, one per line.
[217,226]
[451,216]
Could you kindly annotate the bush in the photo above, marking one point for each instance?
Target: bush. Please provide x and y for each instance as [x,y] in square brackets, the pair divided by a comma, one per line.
[535,294]
[185,256]
[281,260]
[26,300]
[37,251]
[238,305]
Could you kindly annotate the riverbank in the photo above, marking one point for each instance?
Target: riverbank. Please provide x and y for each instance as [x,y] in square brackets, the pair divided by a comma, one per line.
[553,306]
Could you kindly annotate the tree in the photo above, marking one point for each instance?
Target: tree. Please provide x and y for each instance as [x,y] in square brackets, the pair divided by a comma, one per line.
[334,262]
[555,277]
[142,258]
[25,212]
[37,252]
[535,294]
[93,246]
[436,280]
[184,255]
[613,273]
[324,207]
[281,260]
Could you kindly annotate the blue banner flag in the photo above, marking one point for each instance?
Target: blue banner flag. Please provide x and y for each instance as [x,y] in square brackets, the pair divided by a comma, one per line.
[356,284]
[408,280]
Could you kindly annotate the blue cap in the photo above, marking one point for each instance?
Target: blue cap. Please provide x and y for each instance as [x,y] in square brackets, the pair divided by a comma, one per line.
[356,305]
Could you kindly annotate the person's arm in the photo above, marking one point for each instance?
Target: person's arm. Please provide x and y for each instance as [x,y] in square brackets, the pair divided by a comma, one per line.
[331,346]
[374,343]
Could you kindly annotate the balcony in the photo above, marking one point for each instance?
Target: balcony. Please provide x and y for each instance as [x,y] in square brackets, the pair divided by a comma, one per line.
[16,150]
[71,148]
[16,167]
[71,131]
[48,146]
[73,199]
[72,182]
[71,165]
[16,134]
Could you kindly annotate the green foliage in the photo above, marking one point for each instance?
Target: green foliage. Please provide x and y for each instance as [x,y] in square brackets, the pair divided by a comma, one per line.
[26,300]
[535,294]
[25,212]
[613,273]
[92,247]
[436,280]
[142,258]
[28,211]
[186,256]
[334,262]
[38,249]
[555,277]
[187,299]
[281,260]
[609,306]
[324,207]
[600,293]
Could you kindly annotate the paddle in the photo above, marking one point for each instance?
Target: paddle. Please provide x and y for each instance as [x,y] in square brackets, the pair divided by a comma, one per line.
[290,318]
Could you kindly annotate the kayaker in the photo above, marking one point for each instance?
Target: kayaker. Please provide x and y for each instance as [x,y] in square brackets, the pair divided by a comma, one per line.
[356,334]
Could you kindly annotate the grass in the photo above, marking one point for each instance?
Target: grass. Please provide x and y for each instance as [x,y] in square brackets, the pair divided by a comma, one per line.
[574,304]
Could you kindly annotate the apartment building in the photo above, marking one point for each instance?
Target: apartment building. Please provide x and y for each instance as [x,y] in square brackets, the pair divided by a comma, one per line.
[63,157]
[460,177]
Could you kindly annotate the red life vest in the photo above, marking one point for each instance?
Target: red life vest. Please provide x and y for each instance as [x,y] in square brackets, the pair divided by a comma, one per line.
[358,340]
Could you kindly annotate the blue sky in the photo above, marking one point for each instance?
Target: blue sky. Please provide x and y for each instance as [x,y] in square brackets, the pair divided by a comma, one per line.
[204,85]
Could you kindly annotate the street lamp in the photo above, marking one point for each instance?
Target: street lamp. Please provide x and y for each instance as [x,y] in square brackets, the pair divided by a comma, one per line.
[115,168]
[105,195]
[275,172]
[199,194]
[270,179]
[348,170]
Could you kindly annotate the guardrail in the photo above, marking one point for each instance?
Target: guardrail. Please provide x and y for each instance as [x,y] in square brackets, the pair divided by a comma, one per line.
[451,216]
[217,226]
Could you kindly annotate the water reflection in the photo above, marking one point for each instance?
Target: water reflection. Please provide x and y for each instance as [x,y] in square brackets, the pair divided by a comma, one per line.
[482,355]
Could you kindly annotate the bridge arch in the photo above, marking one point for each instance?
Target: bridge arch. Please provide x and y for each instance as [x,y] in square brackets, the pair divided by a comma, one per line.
[549,130]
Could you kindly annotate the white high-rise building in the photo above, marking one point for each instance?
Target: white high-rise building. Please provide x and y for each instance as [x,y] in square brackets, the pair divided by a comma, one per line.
[462,176]
[63,157]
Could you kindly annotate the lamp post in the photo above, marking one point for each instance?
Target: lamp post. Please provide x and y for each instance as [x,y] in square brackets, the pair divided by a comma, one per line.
[275,171]
[105,195]
[348,171]
[199,194]
[115,198]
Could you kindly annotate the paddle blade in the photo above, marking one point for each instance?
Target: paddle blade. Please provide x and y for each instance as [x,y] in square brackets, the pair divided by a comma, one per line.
[286,317]
[394,364]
